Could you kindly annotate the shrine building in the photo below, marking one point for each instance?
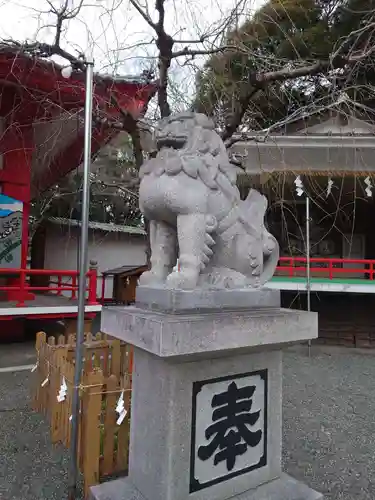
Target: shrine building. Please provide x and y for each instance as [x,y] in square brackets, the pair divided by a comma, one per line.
[42,136]
[332,153]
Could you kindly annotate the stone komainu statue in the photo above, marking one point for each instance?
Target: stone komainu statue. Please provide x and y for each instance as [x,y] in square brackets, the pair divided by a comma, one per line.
[188,193]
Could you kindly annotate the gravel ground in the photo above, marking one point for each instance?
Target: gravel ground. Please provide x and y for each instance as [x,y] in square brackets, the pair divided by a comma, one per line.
[30,467]
[329,429]
[17,354]
[329,421]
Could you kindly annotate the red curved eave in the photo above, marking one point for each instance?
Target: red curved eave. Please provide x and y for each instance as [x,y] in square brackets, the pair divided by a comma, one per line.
[40,81]
[42,78]
[72,156]
[70,159]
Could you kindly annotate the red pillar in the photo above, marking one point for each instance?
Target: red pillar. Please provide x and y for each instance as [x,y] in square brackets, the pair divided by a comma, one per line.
[25,234]
[16,182]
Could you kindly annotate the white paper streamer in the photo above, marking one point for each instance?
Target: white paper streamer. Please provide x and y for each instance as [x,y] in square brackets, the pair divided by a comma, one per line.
[45,382]
[369,187]
[329,186]
[120,403]
[299,186]
[120,409]
[121,417]
[63,390]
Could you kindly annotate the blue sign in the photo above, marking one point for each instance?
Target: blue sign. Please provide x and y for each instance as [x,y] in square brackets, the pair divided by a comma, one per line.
[10,232]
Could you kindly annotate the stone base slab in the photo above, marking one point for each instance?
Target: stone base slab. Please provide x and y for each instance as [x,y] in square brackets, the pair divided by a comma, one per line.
[180,301]
[204,333]
[284,488]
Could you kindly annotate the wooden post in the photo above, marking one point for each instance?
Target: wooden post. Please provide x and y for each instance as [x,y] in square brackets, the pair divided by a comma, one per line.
[59,372]
[92,401]
[110,425]
[47,351]
[39,343]
[116,358]
[124,429]
[122,457]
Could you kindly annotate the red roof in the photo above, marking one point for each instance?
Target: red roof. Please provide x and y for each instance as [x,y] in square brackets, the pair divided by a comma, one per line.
[38,100]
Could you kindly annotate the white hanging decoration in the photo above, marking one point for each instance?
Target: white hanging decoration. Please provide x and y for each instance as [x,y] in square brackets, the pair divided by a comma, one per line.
[120,409]
[34,367]
[63,390]
[66,72]
[369,187]
[299,186]
[329,186]
[45,381]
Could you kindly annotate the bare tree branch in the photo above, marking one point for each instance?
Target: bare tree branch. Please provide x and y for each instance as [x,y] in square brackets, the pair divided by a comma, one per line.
[236,119]
[165,43]
[41,49]
[118,186]
[192,53]
[259,81]
[131,125]
[145,16]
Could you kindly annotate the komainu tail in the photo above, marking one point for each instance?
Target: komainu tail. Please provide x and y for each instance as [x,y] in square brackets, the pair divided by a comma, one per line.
[271,255]
[255,207]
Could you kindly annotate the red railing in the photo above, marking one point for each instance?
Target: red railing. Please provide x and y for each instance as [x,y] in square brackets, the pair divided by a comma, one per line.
[19,287]
[292,267]
[325,267]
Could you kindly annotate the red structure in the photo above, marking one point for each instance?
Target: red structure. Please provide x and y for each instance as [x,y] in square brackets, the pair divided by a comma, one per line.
[330,268]
[41,140]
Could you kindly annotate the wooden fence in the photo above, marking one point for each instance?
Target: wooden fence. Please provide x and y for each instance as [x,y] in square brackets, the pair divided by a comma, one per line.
[103,444]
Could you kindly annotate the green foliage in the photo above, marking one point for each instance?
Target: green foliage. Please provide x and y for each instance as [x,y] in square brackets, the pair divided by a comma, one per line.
[289,33]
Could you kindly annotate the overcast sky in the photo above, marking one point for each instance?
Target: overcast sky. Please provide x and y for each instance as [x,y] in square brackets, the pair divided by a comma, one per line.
[121,39]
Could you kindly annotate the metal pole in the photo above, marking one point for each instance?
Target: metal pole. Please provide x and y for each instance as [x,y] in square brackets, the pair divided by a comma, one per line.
[83,268]
[308,275]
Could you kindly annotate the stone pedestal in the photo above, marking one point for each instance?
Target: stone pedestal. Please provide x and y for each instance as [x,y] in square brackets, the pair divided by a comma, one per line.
[207,395]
